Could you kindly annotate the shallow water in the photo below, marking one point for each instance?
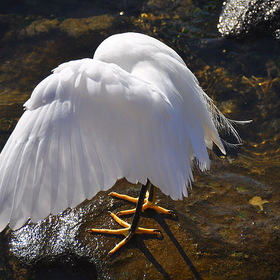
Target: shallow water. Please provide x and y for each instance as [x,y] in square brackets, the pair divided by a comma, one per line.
[229,226]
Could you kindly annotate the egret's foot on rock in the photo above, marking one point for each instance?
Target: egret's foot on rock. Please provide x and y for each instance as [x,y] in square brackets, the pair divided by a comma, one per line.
[147,205]
[126,231]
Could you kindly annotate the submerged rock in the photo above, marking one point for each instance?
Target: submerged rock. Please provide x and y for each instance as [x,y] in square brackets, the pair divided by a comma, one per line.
[241,18]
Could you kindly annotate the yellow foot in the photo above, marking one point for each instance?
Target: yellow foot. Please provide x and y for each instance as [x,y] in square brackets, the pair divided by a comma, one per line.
[126,231]
[147,205]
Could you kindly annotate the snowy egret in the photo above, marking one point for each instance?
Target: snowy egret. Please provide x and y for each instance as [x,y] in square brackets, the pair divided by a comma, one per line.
[134,111]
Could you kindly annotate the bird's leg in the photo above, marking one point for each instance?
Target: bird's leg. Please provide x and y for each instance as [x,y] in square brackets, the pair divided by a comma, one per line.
[129,230]
[149,202]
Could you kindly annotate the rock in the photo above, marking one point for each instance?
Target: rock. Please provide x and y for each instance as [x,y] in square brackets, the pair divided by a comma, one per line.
[217,227]
[243,18]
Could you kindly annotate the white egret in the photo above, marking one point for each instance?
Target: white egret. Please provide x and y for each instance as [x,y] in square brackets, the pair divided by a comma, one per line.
[134,111]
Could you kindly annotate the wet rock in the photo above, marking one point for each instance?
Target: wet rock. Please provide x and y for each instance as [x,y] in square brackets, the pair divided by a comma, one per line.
[243,18]
[217,229]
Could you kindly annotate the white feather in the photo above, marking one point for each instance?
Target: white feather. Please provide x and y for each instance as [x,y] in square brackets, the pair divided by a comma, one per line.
[134,111]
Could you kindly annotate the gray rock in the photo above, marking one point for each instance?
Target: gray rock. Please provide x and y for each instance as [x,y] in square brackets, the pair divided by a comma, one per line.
[243,18]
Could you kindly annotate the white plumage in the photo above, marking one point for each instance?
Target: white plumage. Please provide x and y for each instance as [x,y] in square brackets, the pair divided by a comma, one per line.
[135,110]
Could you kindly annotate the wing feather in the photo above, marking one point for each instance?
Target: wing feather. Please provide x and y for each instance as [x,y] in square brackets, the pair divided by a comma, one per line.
[86,126]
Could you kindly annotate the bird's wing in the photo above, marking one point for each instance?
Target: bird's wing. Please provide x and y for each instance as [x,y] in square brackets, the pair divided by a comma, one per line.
[85,126]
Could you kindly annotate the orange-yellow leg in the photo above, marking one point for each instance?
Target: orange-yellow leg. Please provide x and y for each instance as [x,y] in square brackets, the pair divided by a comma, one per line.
[126,231]
[149,203]
[129,230]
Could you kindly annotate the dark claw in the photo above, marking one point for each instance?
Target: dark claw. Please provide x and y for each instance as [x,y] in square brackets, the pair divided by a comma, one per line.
[159,233]
[173,214]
